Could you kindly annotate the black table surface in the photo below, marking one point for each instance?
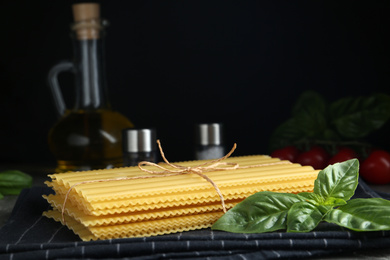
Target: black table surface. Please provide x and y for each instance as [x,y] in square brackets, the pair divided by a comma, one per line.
[25,234]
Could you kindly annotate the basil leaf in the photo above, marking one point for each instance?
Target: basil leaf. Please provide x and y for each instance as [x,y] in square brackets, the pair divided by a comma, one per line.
[285,134]
[356,117]
[1,196]
[362,215]
[303,217]
[311,197]
[308,121]
[334,202]
[261,212]
[310,114]
[338,181]
[309,100]
[13,181]
[11,191]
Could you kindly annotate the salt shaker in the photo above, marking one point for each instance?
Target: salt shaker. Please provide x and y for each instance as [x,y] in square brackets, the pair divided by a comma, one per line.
[209,143]
[139,145]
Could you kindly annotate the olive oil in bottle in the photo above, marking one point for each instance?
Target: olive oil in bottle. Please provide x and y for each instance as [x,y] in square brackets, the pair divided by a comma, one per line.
[88,136]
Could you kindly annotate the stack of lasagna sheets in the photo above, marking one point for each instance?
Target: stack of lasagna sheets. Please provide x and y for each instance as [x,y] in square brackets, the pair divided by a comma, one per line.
[117,203]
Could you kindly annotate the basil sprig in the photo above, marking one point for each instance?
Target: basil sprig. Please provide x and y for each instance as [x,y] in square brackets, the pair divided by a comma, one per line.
[13,181]
[330,201]
[315,120]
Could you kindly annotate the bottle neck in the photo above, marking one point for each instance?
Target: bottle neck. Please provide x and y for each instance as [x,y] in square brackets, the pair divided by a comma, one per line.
[90,73]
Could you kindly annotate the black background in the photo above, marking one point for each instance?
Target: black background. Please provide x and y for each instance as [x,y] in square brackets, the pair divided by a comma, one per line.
[171,64]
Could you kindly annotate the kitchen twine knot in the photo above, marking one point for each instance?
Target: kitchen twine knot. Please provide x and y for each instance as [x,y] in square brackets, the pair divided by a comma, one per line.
[175,169]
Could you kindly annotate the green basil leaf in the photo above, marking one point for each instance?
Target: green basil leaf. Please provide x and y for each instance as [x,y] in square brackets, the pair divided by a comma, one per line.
[311,197]
[13,181]
[303,217]
[309,100]
[316,199]
[334,202]
[310,114]
[362,215]
[338,181]
[11,191]
[261,212]
[1,196]
[285,134]
[356,117]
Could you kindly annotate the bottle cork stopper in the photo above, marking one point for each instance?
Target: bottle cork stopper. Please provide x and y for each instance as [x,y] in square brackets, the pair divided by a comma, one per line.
[86,11]
[87,24]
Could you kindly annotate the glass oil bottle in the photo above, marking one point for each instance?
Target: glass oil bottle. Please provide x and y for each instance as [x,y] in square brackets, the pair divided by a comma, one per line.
[87,136]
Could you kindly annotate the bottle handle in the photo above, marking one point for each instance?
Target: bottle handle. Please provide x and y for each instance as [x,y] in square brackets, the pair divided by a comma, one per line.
[55,87]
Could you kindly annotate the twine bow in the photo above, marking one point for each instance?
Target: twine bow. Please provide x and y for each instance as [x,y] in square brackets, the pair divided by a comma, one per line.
[214,165]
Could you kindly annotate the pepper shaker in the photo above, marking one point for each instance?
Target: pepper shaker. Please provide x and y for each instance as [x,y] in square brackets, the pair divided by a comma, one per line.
[209,142]
[139,145]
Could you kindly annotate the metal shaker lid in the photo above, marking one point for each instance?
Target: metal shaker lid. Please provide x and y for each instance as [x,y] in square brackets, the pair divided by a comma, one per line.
[209,134]
[139,140]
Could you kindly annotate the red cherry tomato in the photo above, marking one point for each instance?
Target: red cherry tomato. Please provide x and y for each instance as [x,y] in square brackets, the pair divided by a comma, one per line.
[342,155]
[376,168]
[287,153]
[316,157]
